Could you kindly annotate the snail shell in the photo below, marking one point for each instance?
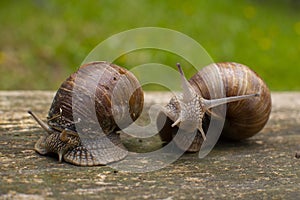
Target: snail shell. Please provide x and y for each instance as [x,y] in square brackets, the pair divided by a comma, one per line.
[248,108]
[88,109]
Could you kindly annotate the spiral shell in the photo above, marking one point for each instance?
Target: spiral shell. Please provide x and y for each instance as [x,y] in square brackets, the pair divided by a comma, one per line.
[243,118]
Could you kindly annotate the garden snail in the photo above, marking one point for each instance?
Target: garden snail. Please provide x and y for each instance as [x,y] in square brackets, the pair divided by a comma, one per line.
[93,87]
[248,109]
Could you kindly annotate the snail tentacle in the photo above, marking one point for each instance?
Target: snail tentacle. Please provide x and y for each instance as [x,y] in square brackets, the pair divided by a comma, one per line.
[217,102]
[45,126]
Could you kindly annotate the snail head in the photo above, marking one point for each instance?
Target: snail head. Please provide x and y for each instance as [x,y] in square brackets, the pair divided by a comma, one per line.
[57,140]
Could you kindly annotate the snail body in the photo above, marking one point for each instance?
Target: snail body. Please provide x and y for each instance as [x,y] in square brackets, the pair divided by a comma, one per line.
[88,110]
[245,93]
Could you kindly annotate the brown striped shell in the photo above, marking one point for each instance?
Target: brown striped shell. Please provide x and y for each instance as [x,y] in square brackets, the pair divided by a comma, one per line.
[88,109]
[244,118]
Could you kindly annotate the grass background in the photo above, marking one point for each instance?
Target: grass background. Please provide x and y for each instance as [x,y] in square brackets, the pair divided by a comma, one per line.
[42,41]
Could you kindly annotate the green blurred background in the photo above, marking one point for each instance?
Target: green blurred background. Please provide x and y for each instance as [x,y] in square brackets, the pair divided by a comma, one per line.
[42,41]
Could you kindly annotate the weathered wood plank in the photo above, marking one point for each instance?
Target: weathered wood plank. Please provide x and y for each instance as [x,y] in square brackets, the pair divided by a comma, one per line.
[260,167]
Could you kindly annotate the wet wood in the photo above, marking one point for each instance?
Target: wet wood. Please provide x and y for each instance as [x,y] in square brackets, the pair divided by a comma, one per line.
[263,166]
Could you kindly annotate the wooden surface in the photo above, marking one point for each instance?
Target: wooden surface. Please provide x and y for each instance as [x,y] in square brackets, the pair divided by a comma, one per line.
[262,167]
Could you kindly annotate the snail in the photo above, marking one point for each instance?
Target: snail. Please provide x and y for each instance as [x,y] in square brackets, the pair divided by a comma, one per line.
[88,110]
[247,97]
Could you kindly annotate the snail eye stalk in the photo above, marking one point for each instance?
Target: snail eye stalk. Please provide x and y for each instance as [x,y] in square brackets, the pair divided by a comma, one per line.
[41,123]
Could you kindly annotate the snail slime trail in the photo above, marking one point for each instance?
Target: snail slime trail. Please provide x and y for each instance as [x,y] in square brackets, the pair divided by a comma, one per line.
[84,132]
[248,102]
